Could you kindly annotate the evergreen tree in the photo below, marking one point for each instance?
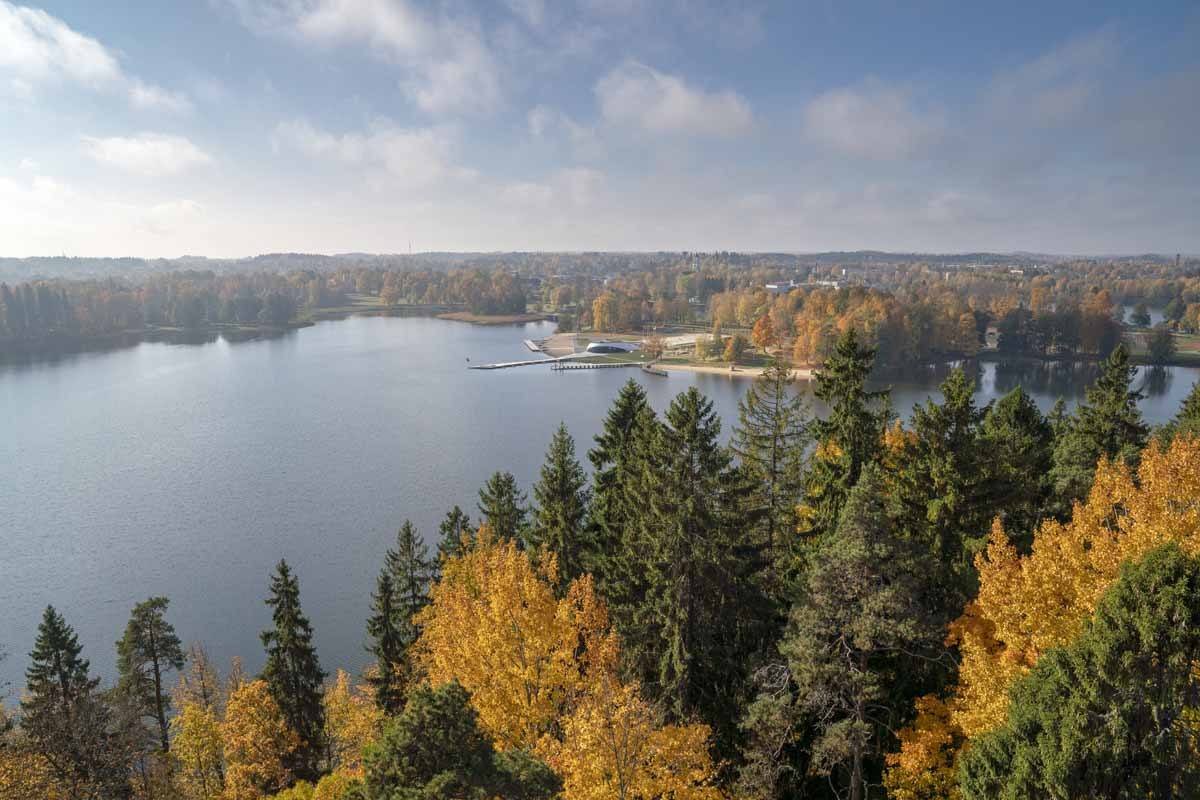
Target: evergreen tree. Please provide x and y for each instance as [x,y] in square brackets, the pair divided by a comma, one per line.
[503,506]
[848,438]
[1110,715]
[700,621]
[293,672]
[1018,450]
[1107,425]
[435,751]
[616,463]
[412,572]
[561,499]
[943,492]
[1186,421]
[769,440]
[389,646]
[455,531]
[859,610]
[67,719]
[145,653]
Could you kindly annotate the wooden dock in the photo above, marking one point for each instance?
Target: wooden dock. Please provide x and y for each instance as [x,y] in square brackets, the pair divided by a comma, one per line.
[592,365]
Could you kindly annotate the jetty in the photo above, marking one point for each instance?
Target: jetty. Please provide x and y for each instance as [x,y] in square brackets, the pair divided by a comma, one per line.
[594,365]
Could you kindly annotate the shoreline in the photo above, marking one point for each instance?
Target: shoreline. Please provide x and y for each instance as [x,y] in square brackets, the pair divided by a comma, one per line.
[798,373]
[491,319]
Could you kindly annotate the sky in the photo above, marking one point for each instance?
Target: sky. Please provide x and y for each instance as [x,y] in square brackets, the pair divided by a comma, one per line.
[236,127]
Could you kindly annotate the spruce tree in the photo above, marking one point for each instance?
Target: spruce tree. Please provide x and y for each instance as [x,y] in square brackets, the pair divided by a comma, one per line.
[1107,425]
[1018,451]
[66,717]
[412,572]
[860,608]
[455,532]
[1186,421]
[769,439]
[701,619]
[848,438]
[943,492]
[389,646]
[561,499]
[145,653]
[293,672]
[615,460]
[503,506]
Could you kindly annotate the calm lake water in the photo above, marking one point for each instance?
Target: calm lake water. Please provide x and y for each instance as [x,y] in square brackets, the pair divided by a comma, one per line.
[189,470]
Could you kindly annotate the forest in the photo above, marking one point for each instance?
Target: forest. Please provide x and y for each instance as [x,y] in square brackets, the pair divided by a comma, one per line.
[976,602]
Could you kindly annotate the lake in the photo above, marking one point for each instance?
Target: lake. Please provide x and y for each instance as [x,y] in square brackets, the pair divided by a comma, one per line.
[189,470]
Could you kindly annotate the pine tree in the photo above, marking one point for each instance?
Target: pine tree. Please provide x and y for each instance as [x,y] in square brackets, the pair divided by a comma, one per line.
[701,618]
[616,458]
[769,439]
[412,571]
[66,717]
[847,438]
[1107,425]
[455,531]
[389,646]
[145,653]
[861,607]
[503,506]
[292,670]
[943,492]
[1018,448]
[561,501]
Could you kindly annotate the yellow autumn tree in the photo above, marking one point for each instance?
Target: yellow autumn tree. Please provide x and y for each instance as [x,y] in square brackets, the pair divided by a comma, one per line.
[1029,604]
[352,721]
[542,673]
[25,773]
[257,742]
[198,749]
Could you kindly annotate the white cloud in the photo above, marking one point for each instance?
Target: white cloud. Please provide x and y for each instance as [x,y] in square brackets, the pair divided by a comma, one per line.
[36,47]
[872,120]
[1058,85]
[166,218]
[149,154]
[417,156]
[546,123]
[449,66]
[641,97]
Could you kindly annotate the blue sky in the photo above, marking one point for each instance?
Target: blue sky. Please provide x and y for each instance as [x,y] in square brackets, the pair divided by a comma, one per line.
[234,127]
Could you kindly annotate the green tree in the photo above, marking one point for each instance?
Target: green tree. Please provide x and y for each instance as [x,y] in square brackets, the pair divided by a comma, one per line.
[860,609]
[769,439]
[943,491]
[145,653]
[455,530]
[435,751]
[848,438]
[67,719]
[701,619]
[1018,448]
[293,672]
[1160,345]
[1107,425]
[389,645]
[412,572]
[503,506]
[1140,316]
[561,499]
[1111,715]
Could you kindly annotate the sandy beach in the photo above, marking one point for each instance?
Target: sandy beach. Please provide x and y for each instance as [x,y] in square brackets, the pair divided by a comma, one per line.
[736,372]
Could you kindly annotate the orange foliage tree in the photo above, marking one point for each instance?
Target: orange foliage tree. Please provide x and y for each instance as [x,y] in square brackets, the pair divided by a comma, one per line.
[257,743]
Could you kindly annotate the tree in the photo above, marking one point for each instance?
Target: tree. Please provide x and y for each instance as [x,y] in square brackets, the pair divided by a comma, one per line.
[769,439]
[412,571]
[561,499]
[352,721]
[199,683]
[734,348]
[1108,424]
[503,506]
[847,438]
[390,637]
[703,614]
[1111,715]
[943,492]
[1017,445]
[145,653]
[763,333]
[455,530]
[1187,421]
[1141,316]
[66,718]
[436,751]
[860,609]
[293,672]
[198,751]
[259,744]
[1160,345]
